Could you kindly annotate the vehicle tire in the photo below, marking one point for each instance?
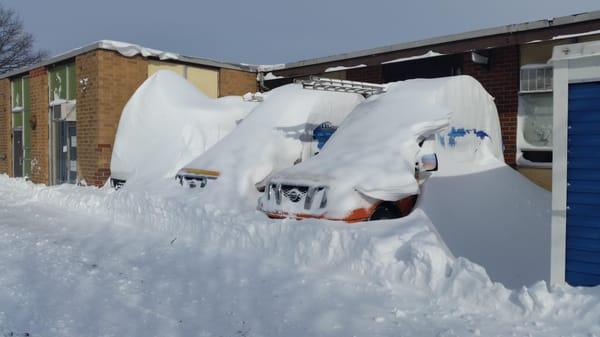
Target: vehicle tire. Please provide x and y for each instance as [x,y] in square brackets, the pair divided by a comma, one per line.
[386,210]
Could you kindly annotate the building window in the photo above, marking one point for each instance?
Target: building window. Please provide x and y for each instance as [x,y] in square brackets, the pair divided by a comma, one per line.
[534,123]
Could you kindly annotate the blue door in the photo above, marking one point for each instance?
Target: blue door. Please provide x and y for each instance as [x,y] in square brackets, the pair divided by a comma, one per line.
[583,185]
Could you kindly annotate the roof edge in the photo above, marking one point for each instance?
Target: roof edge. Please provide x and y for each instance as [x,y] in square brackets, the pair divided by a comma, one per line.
[130,50]
[485,32]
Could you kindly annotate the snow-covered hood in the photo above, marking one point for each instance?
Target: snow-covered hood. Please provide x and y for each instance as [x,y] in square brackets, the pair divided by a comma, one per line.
[273,137]
[168,122]
[375,149]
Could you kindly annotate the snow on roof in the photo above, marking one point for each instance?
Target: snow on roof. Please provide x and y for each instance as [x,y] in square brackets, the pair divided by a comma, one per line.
[130,50]
[567,36]
[340,68]
[429,54]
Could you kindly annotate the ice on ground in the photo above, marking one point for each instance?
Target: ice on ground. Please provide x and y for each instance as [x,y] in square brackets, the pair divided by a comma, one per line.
[97,262]
[168,122]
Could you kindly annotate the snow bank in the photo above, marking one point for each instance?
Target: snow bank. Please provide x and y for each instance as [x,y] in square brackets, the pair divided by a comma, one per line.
[153,258]
[168,122]
[274,136]
[495,217]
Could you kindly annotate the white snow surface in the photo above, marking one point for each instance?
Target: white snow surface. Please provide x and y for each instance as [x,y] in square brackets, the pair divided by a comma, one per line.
[428,54]
[130,50]
[273,136]
[340,68]
[375,148]
[168,122]
[482,208]
[82,261]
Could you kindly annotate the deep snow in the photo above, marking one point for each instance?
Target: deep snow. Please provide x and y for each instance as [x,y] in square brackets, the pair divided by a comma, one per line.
[81,261]
[166,123]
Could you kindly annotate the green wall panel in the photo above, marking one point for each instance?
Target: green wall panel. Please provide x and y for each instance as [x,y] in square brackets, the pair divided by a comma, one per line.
[72,81]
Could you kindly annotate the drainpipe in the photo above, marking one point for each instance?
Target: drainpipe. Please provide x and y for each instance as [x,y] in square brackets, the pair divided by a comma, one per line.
[261,82]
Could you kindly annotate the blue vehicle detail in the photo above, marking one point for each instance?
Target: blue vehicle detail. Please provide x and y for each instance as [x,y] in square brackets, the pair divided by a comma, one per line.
[322,133]
[462,132]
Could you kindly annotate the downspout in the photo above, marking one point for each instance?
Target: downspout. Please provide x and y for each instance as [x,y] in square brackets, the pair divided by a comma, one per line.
[261,82]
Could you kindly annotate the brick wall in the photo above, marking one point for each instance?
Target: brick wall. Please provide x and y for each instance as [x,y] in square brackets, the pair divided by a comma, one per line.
[111,80]
[38,86]
[501,80]
[236,82]
[5,129]
[372,74]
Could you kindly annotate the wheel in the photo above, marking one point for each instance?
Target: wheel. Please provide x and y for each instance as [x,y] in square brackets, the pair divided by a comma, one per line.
[386,210]
[393,210]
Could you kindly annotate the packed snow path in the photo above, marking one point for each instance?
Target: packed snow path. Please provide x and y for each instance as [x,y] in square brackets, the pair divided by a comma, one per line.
[135,264]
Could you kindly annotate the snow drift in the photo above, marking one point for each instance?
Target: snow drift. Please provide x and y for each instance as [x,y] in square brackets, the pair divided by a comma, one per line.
[482,209]
[168,122]
[277,134]
[375,149]
[154,263]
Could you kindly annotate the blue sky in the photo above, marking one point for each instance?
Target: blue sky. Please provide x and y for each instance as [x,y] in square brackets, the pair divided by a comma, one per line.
[271,31]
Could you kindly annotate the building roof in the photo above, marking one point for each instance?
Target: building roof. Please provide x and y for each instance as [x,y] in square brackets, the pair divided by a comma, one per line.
[130,50]
[392,52]
[557,24]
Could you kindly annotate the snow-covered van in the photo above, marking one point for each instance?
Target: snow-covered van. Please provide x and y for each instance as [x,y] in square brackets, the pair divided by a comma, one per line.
[288,127]
[373,167]
[167,123]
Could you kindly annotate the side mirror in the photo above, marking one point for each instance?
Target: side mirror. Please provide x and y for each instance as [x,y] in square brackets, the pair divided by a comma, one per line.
[428,163]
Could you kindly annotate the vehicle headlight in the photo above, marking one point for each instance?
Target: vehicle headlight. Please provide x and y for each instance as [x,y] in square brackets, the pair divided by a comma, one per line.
[323,203]
[278,194]
[309,197]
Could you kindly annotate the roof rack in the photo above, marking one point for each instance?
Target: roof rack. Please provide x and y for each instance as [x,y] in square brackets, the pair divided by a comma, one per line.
[329,84]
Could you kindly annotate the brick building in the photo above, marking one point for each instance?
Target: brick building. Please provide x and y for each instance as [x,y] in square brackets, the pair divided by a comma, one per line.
[510,61]
[58,119]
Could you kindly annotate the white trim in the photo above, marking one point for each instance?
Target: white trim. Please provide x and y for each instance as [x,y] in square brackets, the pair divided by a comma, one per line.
[559,172]
[573,63]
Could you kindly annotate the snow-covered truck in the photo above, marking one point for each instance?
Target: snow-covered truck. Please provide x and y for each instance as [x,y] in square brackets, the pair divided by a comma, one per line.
[373,166]
[288,127]
[167,123]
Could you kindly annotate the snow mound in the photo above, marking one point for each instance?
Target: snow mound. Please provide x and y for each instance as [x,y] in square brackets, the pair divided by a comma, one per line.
[168,122]
[277,134]
[153,258]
